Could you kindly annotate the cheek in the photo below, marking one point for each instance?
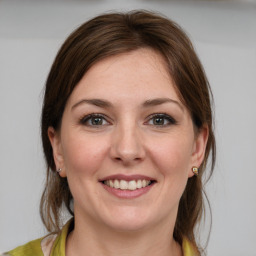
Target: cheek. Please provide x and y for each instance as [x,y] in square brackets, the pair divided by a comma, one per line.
[83,155]
[172,156]
[174,167]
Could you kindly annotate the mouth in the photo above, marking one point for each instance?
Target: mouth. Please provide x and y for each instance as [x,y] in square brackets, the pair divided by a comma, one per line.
[131,185]
[128,186]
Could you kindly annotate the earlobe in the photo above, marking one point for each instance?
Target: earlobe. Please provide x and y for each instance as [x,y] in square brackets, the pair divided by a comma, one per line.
[57,151]
[199,148]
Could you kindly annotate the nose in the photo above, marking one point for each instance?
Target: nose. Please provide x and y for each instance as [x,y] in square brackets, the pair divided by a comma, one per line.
[127,145]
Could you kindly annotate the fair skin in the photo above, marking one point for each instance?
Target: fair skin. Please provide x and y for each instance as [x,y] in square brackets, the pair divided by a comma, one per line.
[125,122]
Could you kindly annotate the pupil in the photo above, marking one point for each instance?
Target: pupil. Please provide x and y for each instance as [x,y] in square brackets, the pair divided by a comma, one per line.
[158,121]
[97,121]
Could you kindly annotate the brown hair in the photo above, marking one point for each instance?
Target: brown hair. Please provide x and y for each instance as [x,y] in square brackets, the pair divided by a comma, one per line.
[112,34]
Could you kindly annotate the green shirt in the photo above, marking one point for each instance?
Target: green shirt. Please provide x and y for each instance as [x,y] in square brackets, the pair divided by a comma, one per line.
[54,245]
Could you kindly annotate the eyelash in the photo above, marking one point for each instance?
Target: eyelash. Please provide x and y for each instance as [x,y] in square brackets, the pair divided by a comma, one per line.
[171,121]
[89,117]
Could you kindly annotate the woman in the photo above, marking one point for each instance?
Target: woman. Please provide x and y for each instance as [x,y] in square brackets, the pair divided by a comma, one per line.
[126,131]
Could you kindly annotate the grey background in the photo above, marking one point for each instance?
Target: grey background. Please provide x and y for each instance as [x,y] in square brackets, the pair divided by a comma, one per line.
[224,35]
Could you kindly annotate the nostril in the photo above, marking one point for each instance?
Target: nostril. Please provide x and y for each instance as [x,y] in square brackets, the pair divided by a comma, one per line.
[127,160]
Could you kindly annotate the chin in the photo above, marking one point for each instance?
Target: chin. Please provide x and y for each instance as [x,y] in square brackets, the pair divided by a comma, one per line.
[128,226]
[126,220]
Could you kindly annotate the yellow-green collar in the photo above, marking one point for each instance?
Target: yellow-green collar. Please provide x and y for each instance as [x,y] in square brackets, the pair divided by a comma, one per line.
[188,249]
[34,248]
[59,245]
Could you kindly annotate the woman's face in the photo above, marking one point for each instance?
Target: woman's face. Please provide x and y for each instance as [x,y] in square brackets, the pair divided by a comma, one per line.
[127,143]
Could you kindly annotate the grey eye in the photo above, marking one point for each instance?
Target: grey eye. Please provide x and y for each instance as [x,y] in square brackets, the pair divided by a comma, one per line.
[161,120]
[94,120]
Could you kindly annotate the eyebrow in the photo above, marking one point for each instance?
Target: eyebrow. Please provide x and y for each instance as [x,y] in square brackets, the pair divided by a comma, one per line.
[96,102]
[106,104]
[159,101]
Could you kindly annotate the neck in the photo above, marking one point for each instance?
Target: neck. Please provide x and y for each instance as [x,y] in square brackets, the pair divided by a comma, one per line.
[94,239]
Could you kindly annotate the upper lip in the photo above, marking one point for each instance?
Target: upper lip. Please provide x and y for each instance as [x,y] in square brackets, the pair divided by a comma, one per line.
[127,177]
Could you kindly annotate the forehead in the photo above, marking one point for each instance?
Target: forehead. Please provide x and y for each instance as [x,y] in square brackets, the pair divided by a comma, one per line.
[138,73]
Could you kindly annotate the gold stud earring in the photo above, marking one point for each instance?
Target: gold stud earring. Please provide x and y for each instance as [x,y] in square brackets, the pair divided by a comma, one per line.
[195,170]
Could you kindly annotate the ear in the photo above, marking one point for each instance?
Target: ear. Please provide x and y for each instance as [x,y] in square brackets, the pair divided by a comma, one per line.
[199,147]
[55,140]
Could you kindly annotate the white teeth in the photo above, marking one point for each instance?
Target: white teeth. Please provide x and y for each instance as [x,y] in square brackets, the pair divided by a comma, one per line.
[132,185]
[123,184]
[116,184]
[111,183]
[139,184]
[127,185]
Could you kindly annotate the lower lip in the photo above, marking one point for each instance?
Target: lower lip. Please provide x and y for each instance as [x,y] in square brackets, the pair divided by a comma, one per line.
[128,194]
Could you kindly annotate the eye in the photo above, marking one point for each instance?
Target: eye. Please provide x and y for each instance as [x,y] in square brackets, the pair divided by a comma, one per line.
[161,120]
[94,120]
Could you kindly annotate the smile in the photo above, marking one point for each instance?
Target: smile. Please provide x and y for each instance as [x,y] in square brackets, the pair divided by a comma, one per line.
[127,185]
